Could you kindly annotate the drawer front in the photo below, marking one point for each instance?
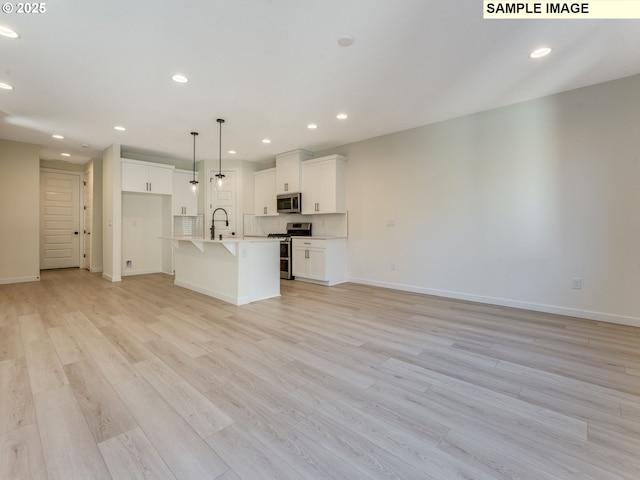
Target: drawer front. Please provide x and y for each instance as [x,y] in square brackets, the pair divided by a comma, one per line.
[309,243]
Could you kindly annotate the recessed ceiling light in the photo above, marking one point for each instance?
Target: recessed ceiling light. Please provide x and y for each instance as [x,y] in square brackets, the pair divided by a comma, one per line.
[346,40]
[540,52]
[7,32]
[312,126]
[59,137]
[266,140]
[232,152]
[5,86]
[179,78]
[120,128]
[342,116]
[65,154]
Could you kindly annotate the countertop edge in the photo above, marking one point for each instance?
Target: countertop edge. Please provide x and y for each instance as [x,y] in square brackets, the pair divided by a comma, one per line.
[224,240]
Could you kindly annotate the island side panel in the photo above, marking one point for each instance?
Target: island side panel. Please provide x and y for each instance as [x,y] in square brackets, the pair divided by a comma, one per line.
[213,272]
[259,267]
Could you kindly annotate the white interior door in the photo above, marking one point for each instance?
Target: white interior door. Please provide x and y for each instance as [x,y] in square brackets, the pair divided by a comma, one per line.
[223,196]
[59,220]
[88,209]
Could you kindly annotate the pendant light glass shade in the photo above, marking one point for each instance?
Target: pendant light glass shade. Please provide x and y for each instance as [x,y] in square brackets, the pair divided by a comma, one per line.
[219,175]
[194,182]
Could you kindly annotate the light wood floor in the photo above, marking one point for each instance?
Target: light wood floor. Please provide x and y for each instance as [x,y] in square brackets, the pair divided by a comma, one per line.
[141,379]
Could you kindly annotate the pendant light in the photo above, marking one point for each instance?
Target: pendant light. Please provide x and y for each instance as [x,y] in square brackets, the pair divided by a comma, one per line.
[194,182]
[219,175]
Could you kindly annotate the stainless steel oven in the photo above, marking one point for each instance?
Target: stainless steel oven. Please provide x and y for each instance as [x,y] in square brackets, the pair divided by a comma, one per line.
[285,258]
[301,229]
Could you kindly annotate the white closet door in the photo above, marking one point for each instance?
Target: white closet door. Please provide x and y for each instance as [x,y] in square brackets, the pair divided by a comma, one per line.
[59,220]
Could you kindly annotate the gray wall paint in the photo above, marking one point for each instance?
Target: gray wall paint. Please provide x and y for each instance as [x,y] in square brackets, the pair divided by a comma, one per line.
[19,212]
[508,205]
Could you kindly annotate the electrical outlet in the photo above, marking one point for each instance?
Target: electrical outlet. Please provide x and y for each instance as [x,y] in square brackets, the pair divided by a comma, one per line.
[576,283]
[393,265]
[129,263]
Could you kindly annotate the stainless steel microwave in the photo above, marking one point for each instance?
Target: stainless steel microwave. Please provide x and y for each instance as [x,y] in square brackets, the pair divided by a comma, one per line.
[289,203]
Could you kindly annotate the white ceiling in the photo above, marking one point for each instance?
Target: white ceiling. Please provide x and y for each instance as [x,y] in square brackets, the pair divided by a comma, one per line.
[270,67]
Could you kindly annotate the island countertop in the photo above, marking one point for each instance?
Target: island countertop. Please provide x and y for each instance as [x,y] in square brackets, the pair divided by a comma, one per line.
[229,242]
[196,238]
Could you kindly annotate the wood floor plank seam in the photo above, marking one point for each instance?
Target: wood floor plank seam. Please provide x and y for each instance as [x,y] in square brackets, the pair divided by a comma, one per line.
[140,377]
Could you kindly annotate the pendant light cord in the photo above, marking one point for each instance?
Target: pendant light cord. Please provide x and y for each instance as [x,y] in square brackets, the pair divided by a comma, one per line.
[220,175]
[193,182]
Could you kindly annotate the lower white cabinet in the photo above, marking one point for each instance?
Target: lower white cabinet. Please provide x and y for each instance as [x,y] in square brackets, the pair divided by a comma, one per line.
[321,261]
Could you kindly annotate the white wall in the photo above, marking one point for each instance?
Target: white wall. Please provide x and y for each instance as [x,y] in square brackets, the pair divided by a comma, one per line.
[111,214]
[95,166]
[507,206]
[145,218]
[19,212]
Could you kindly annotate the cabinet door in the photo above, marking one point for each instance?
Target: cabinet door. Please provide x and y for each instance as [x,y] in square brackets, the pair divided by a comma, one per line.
[300,266]
[287,175]
[323,185]
[327,190]
[317,263]
[161,180]
[135,177]
[311,188]
[185,202]
[265,193]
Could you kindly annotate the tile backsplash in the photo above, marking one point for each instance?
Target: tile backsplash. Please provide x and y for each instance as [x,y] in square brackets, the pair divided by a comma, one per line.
[188,226]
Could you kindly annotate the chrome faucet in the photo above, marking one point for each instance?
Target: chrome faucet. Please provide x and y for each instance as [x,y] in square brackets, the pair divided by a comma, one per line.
[213,222]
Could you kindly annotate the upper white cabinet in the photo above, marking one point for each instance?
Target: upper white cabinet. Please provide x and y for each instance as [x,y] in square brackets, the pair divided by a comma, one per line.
[185,202]
[288,170]
[146,177]
[324,185]
[265,193]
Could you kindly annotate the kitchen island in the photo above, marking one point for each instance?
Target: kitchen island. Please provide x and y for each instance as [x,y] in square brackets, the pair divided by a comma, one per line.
[235,270]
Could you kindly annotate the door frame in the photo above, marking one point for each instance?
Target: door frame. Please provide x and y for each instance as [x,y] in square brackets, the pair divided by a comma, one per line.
[80,175]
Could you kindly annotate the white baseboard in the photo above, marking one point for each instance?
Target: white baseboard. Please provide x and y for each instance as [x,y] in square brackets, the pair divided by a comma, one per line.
[128,272]
[211,293]
[505,302]
[6,281]
[111,278]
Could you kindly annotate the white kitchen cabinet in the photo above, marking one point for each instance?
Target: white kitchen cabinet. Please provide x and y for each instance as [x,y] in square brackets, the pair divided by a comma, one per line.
[146,177]
[185,202]
[324,185]
[265,193]
[289,170]
[322,261]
